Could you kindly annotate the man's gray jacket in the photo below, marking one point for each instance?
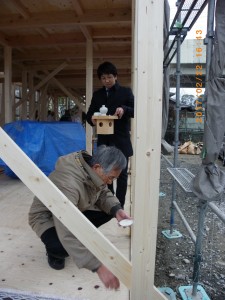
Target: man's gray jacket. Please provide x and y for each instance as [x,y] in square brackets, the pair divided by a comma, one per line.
[85,189]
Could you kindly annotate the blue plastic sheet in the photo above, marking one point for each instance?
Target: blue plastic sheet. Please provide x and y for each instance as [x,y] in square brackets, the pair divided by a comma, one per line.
[44,142]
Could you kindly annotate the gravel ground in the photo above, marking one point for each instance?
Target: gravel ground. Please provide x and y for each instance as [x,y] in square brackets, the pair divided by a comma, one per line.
[175,257]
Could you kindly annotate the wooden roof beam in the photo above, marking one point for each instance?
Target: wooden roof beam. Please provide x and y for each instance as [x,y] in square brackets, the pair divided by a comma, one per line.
[43,82]
[79,11]
[119,52]
[42,32]
[17,5]
[44,19]
[75,65]
[84,29]
[106,32]
[60,40]
[22,10]
[3,41]
[52,39]
[68,93]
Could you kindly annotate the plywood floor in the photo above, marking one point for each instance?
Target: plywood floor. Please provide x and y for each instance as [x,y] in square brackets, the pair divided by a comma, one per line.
[23,263]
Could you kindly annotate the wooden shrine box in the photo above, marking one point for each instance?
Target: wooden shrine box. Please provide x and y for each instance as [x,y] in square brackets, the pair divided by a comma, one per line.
[105,124]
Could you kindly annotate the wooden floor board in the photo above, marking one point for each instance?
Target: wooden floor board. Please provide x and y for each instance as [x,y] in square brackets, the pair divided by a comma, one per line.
[23,263]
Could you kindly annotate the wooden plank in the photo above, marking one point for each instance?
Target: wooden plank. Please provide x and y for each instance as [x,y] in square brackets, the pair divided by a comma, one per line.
[68,93]
[31,95]
[27,253]
[43,103]
[41,83]
[3,40]
[23,110]
[50,75]
[63,209]
[89,90]
[67,18]
[18,6]
[148,70]
[8,84]
[62,39]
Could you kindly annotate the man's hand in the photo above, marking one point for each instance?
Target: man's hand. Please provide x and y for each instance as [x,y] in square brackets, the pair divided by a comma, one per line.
[93,121]
[121,214]
[119,112]
[110,281]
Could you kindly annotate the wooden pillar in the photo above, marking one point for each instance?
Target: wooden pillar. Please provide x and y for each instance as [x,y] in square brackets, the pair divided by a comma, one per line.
[31,96]
[148,72]
[43,101]
[1,104]
[56,107]
[133,132]
[24,96]
[89,90]
[7,84]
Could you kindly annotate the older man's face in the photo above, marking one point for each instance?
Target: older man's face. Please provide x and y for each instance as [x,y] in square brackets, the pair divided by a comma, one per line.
[109,177]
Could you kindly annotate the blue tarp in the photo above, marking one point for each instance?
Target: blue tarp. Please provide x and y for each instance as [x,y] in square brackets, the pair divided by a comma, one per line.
[44,142]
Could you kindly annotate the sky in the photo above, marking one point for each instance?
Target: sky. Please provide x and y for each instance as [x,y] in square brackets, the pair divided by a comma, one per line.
[200,24]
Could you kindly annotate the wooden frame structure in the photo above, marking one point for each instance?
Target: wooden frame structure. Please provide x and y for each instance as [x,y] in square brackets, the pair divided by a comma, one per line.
[148,65]
[147,86]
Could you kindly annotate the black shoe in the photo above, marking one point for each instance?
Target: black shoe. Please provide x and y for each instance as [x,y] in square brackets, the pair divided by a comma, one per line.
[56,263]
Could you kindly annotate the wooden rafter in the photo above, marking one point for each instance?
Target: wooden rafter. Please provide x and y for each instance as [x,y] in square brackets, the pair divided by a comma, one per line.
[39,20]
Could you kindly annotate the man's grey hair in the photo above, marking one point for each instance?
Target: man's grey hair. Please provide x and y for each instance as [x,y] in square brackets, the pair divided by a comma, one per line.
[110,158]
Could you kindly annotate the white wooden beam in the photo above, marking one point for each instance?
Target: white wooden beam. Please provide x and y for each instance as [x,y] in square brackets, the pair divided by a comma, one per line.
[121,52]
[71,94]
[111,35]
[31,95]
[50,75]
[63,209]
[1,105]
[3,40]
[24,95]
[22,10]
[45,19]
[68,93]
[8,83]
[89,91]
[148,73]
[79,10]
[43,102]
[44,81]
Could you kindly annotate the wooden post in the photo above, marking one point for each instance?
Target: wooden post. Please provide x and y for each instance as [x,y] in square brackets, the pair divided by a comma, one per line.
[43,101]
[1,105]
[56,107]
[31,95]
[23,115]
[63,209]
[8,83]
[89,90]
[68,93]
[148,72]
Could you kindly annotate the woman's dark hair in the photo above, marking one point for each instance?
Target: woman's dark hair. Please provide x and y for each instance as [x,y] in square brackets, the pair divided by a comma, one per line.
[106,68]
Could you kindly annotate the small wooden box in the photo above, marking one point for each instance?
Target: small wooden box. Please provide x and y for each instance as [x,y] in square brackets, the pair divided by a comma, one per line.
[105,124]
